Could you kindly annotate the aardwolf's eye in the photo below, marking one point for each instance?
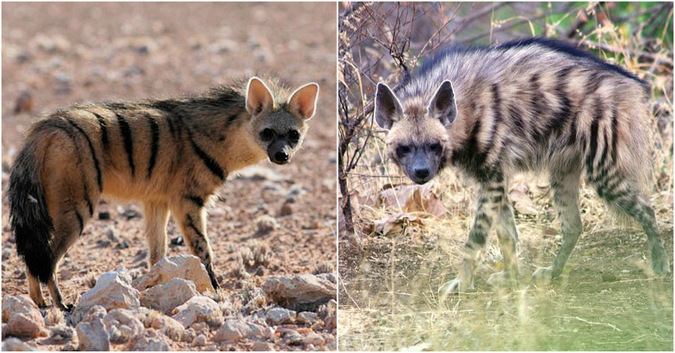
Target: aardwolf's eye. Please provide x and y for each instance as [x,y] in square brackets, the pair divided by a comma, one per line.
[436,148]
[402,151]
[267,135]
[294,136]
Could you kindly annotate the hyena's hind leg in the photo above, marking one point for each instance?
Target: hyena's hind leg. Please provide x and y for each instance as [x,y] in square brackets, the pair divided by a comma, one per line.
[35,290]
[565,187]
[156,216]
[191,216]
[624,196]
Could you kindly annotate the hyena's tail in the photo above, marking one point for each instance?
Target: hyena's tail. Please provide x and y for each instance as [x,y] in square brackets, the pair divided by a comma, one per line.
[28,214]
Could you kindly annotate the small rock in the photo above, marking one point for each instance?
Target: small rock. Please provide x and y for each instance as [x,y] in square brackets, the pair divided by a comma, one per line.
[313,338]
[131,212]
[15,344]
[22,317]
[60,334]
[237,329]
[278,316]
[198,309]
[95,312]
[308,318]
[6,254]
[165,297]
[113,290]
[93,336]
[199,341]
[262,346]
[170,327]
[291,337]
[123,245]
[183,266]
[122,325]
[299,289]
[150,341]
[266,224]
[177,241]
[104,215]
[112,235]
[286,209]
[24,103]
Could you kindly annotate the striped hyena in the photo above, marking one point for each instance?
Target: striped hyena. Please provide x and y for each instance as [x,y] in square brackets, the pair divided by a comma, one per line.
[169,154]
[528,105]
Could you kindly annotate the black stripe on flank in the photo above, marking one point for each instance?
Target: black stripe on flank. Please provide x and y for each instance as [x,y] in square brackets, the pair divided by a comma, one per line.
[615,127]
[172,127]
[210,163]
[93,154]
[196,200]
[594,136]
[496,104]
[80,221]
[125,129]
[557,123]
[89,205]
[104,131]
[154,145]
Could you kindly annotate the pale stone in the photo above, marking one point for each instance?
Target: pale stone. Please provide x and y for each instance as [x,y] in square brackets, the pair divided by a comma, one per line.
[92,336]
[165,297]
[122,325]
[198,309]
[113,290]
[299,289]
[184,266]
[22,317]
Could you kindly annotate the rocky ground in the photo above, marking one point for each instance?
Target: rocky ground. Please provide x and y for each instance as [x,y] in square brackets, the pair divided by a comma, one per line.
[270,227]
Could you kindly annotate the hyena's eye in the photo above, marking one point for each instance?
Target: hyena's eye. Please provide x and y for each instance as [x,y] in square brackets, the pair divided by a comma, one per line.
[294,136]
[402,151]
[436,148]
[267,134]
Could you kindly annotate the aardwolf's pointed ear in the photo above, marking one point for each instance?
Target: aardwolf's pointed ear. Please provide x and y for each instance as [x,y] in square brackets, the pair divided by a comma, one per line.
[303,100]
[443,106]
[387,107]
[258,97]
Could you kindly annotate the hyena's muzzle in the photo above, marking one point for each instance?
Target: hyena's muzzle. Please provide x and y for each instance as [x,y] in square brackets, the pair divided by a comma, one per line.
[419,163]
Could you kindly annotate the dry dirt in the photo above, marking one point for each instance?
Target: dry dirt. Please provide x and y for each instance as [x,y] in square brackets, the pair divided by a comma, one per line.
[62,53]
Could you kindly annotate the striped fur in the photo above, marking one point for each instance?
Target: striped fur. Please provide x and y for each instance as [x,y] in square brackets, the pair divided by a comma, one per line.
[529,105]
[169,154]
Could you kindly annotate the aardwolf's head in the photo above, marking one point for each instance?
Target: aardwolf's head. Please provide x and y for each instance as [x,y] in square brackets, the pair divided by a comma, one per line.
[417,140]
[279,127]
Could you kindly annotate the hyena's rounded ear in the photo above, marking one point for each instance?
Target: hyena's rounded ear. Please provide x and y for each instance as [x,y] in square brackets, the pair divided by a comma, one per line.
[258,97]
[303,100]
[443,106]
[387,107]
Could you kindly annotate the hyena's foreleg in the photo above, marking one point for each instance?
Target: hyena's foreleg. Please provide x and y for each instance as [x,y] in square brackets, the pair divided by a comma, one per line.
[156,216]
[627,199]
[34,289]
[492,205]
[566,199]
[192,219]
[508,239]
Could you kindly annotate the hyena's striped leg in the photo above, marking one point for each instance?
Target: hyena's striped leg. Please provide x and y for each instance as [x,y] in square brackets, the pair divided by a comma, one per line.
[629,200]
[156,216]
[193,224]
[508,238]
[566,199]
[486,211]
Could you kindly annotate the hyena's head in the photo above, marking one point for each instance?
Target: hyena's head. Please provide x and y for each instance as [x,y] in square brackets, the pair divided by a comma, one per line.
[279,127]
[417,140]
